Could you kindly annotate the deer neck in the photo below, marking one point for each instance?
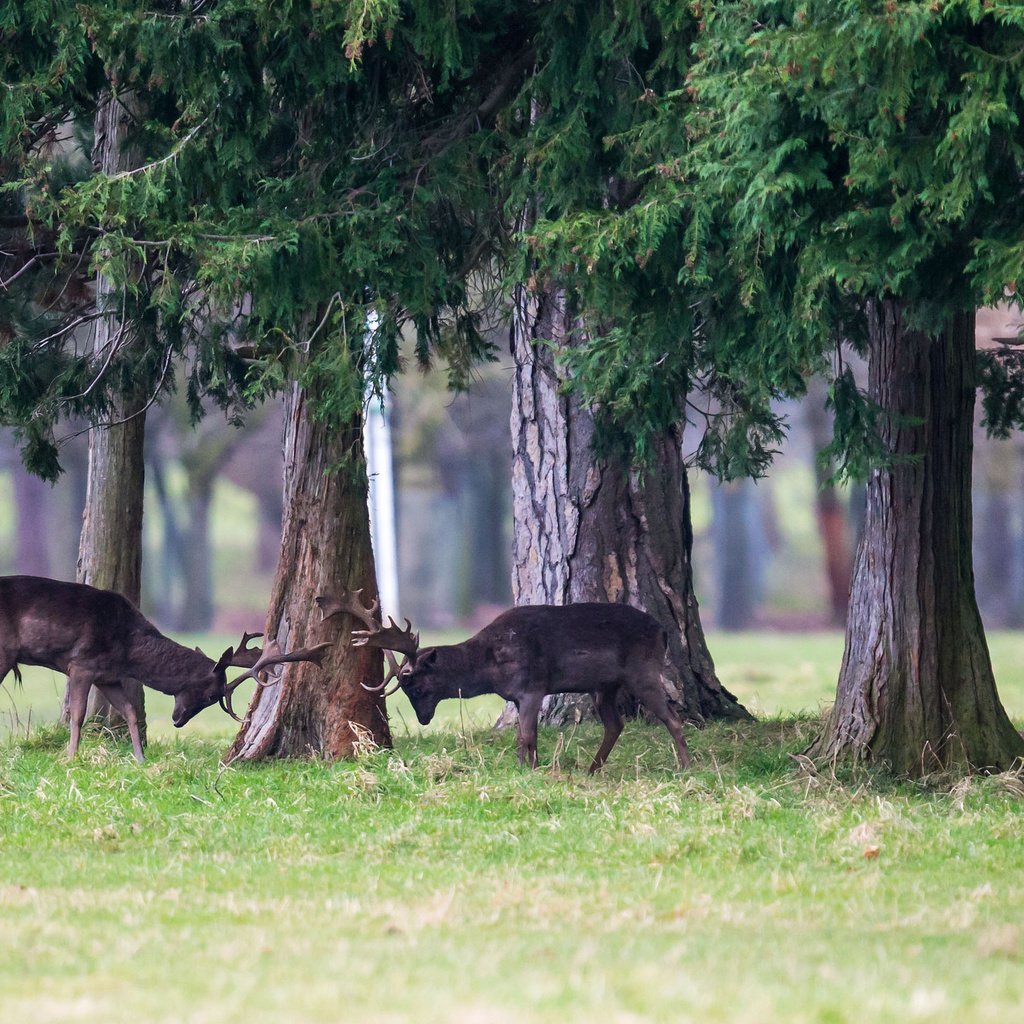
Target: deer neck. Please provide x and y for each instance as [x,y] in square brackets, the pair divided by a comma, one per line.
[163,664]
[464,673]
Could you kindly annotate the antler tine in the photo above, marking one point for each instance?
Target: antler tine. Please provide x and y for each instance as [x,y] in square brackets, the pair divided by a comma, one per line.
[271,655]
[391,637]
[394,671]
[244,656]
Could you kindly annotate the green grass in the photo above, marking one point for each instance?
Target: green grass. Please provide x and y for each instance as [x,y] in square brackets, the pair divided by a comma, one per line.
[440,882]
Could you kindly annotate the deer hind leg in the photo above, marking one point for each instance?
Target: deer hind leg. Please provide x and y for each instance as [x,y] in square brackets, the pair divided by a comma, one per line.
[653,697]
[608,712]
[124,707]
[8,663]
[529,712]
[78,701]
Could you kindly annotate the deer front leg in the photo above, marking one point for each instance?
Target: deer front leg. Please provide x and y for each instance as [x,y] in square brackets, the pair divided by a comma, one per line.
[78,701]
[605,703]
[124,707]
[529,711]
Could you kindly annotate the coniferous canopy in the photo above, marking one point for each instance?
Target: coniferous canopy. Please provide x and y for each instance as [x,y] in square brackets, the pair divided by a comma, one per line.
[793,159]
[299,168]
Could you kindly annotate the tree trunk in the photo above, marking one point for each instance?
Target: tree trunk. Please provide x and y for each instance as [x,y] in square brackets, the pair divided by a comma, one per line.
[325,547]
[832,516]
[32,499]
[593,530]
[736,553]
[110,550]
[916,690]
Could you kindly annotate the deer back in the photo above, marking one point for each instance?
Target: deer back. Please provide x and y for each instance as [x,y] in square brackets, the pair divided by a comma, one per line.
[52,623]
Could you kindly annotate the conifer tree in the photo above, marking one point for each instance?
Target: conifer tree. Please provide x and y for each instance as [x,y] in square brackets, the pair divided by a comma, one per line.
[830,173]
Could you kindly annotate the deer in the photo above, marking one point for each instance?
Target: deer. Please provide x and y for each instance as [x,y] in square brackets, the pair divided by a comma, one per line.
[523,655]
[98,637]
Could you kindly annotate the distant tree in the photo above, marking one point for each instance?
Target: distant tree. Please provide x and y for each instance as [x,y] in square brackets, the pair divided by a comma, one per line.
[833,519]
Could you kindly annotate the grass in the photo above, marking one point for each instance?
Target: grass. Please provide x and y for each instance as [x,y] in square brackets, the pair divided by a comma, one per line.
[440,882]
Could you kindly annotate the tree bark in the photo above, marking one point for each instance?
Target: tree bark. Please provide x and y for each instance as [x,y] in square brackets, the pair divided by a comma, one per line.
[595,530]
[916,690]
[110,549]
[325,548]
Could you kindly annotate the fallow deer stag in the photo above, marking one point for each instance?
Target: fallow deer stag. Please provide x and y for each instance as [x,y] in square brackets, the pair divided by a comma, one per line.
[525,654]
[98,637]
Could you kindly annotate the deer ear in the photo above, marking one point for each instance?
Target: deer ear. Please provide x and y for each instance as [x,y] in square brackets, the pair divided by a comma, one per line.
[225,659]
[430,657]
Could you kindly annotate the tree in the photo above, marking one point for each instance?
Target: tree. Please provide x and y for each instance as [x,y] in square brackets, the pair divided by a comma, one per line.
[590,523]
[110,553]
[590,528]
[850,170]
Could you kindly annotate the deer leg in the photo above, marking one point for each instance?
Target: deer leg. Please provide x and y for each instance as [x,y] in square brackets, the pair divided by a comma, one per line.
[78,701]
[605,704]
[7,662]
[124,707]
[529,711]
[654,698]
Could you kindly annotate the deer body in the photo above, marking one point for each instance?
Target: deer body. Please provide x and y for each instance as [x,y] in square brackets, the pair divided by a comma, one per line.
[97,638]
[529,652]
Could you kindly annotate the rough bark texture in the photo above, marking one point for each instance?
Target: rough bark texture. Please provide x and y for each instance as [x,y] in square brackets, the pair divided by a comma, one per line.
[589,530]
[110,550]
[325,548]
[916,689]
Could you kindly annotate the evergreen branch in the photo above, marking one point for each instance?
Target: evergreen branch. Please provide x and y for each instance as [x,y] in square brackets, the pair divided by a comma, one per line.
[173,155]
[37,258]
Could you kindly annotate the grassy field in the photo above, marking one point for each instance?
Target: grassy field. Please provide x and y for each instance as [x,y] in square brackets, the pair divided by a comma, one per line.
[440,882]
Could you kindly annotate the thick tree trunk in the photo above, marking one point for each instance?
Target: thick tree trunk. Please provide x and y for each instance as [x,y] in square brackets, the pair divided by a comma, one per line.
[110,551]
[593,530]
[325,548]
[916,690]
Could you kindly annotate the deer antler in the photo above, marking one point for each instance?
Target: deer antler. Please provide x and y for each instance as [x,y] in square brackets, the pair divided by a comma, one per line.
[245,656]
[386,639]
[270,655]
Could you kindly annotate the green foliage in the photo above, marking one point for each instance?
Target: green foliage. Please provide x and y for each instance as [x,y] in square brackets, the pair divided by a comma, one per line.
[780,161]
[299,174]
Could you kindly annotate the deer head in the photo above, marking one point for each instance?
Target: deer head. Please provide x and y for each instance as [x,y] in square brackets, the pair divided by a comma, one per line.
[214,688]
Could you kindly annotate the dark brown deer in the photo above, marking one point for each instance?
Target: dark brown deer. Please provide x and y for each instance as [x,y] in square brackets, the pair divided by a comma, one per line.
[98,637]
[525,654]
